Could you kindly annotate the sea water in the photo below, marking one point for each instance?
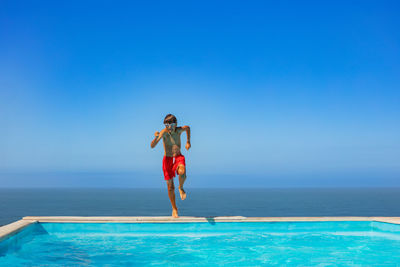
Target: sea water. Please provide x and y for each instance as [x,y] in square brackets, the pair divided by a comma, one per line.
[263,202]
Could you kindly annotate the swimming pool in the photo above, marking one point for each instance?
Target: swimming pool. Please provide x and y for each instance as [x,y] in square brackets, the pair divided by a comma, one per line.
[204,243]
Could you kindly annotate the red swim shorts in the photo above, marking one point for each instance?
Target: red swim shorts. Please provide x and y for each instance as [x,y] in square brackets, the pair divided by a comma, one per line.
[169,166]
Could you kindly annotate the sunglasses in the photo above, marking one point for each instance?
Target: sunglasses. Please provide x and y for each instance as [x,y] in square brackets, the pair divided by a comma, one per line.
[170,124]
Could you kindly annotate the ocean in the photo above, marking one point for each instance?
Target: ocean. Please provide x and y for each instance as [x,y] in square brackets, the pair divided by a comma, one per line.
[262,202]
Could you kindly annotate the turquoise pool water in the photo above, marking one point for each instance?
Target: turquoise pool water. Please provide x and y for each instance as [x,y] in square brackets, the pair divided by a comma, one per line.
[204,244]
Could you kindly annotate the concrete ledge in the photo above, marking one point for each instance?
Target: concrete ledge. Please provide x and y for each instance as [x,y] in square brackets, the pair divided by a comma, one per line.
[13,228]
[186,219]
[394,220]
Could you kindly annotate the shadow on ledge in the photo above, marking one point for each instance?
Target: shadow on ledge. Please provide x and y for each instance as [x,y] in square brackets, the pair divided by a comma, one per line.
[211,220]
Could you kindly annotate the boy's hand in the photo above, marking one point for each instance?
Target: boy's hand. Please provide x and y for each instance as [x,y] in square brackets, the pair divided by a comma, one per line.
[157,138]
[187,146]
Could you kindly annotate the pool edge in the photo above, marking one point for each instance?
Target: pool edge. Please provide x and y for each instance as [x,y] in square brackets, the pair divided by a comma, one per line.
[11,229]
[187,219]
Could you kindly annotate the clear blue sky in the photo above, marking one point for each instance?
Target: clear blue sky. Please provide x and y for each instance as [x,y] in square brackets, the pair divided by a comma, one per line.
[270,88]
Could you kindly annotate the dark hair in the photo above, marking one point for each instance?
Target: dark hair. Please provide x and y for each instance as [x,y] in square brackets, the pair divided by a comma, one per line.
[170,119]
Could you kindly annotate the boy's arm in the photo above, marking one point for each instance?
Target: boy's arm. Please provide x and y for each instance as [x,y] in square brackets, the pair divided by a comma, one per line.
[187,129]
[157,138]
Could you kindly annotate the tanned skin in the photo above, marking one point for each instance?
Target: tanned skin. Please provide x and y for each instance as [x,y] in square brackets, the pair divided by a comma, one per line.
[171,136]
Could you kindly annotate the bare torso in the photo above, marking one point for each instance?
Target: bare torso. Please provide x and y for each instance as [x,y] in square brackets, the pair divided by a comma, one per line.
[171,139]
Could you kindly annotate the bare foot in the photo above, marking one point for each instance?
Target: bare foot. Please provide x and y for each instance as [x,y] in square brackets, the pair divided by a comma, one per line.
[175,213]
[182,193]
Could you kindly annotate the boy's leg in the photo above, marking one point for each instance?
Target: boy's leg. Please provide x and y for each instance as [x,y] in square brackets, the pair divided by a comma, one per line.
[182,178]
[171,194]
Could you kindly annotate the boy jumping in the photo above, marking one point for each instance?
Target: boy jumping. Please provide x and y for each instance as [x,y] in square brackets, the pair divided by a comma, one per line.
[171,136]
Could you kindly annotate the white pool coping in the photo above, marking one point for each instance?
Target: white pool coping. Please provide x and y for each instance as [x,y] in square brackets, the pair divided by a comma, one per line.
[183,219]
[15,227]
